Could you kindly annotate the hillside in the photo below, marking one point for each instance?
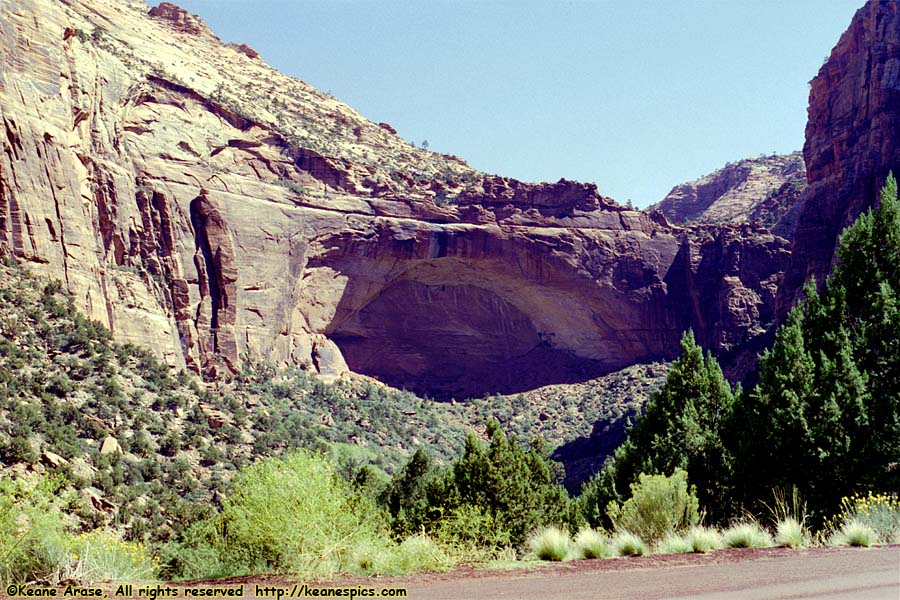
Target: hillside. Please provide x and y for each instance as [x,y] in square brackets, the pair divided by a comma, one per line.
[149,448]
[766,191]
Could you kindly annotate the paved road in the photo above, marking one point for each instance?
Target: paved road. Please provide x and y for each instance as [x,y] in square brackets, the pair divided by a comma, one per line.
[848,573]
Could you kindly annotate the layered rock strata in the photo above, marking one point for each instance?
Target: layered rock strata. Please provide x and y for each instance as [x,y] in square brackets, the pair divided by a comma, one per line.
[200,203]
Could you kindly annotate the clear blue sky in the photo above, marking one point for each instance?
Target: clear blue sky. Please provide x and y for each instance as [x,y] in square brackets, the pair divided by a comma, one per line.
[634,96]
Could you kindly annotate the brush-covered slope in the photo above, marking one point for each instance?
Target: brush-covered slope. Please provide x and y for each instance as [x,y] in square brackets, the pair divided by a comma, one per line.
[149,448]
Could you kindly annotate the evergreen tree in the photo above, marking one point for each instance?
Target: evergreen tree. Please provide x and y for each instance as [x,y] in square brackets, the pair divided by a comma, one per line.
[414,496]
[681,429]
[511,484]
[824,415]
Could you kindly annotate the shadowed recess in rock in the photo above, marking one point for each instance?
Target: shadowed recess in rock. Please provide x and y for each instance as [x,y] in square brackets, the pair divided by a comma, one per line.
[454,341]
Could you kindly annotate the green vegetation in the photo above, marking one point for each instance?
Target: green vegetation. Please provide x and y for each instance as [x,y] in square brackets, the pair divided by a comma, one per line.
[824,416]
[496,493]
[33,543]
[704,539]
[626,543]
[99,556]
[791,534]
[746,535]
[550,543]
[854,533]
[591,543]
[878,512]
[674,544]
[829,391]
[659,507]
[290,514]
[681,429]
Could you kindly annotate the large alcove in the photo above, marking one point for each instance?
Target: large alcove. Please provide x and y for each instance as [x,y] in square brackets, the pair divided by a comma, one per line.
[458,341]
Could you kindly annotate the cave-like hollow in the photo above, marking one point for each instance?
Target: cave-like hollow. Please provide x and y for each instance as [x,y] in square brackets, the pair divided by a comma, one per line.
[454,341]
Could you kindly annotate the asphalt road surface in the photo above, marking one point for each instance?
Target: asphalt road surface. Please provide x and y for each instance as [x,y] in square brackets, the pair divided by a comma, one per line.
[846,573]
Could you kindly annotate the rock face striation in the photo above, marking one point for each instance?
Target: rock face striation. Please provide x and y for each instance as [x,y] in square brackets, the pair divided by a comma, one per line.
[852,139]
[765,191]
[202,204]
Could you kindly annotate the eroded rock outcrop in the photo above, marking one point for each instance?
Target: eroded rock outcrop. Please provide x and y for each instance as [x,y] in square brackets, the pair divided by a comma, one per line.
[202,204]
[763,191]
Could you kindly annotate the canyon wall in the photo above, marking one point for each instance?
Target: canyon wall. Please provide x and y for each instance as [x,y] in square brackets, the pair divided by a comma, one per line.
[204,205]
[852,139]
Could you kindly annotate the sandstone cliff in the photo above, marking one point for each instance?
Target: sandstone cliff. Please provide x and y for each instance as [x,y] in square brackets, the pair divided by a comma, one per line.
[200,203]
[765,191]
[852,138]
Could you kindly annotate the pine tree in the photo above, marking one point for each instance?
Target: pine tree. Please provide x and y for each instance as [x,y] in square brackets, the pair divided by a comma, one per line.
[825,415]
[512,484]
[681,428]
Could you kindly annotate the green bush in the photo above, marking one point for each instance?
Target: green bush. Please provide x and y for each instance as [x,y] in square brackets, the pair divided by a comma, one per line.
[32,534]
[513,484]
[658,506]
[291,514]
[550,543]
[414,555]
[880,512]
[98,557]
[626,543]
[855,533]
[468,525]
[791,533]
[674,544]
[704,539]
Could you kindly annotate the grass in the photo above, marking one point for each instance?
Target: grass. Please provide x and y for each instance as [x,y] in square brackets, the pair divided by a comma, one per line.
[550,543]
[790,533]
[855,533]
[591,543]
[674,544]
[747,535]
[704,539]
[415,554]
[626,543]
[879,512]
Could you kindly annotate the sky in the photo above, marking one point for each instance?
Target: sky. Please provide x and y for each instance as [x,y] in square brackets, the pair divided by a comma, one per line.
[635,96]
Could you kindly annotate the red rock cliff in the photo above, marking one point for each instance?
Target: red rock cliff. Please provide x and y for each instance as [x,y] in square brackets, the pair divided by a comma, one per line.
[852,138]
[202,204]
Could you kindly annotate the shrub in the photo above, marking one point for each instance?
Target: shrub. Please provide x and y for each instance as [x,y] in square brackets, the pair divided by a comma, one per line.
[658,506]
[791,533]
[99,557]
[626,543]
[514,485]
[289,514]
[592,544]
[880,512]
[414,555]
[746,535]
[32,536]
[469,525]
[674,544]
[550,543]
[704,539]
